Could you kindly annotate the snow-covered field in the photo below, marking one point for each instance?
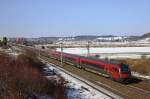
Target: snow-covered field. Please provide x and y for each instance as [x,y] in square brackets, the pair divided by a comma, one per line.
[78,89]
[111,52]
[107,50]
[136,74]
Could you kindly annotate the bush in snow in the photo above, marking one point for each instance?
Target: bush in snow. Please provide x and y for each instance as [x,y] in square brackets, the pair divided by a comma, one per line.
[22,77]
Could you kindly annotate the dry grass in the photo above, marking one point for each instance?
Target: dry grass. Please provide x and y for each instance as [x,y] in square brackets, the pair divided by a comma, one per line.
[139,65]
[22,77]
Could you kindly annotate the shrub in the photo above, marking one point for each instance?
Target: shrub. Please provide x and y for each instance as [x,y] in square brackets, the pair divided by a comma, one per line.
[22,77]
[143,56]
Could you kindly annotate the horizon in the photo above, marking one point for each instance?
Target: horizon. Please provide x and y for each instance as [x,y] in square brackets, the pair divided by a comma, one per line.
[69,18]
[70,36]
[75,36]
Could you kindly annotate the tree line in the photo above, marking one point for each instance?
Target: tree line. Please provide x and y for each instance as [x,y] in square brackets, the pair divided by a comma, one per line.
[4,41]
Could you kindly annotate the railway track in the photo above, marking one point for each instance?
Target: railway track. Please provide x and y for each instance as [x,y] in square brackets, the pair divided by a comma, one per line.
[143,86]
[130,91]
[98,88]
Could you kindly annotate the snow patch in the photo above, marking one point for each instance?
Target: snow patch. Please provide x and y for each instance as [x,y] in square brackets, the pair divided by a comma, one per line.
[106,50]
[111,52]
[14,54]
[136,74]
[78,89]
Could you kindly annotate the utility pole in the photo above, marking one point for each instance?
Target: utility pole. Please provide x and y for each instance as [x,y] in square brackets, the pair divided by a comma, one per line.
[61,56]
[39,52]
[88,48]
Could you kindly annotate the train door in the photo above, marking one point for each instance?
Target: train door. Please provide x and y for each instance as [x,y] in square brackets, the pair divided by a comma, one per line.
[78,62]
[106,69]
[116,73]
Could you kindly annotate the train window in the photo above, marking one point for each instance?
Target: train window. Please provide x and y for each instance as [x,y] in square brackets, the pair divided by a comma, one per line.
[70,58]
[88,63]
[124,68]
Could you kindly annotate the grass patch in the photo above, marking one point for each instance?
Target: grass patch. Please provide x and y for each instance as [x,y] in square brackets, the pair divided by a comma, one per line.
[139,65]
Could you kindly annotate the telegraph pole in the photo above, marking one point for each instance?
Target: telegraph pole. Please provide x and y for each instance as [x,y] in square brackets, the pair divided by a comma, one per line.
[39,52]
[61,56]
[88,48]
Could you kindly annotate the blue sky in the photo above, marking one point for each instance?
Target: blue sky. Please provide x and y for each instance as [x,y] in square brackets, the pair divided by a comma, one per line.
[35,18]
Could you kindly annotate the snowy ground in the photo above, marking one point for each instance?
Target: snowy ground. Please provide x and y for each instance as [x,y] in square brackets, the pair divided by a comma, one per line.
[107,50]
[10,52]
[78,89]
[111,52]
[14,53]
[136,74]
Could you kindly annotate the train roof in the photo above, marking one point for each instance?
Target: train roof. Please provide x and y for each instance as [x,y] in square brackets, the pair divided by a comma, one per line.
[115,62]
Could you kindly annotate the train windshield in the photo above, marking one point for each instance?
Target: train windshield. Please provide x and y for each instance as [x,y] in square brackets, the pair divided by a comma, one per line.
[124,68]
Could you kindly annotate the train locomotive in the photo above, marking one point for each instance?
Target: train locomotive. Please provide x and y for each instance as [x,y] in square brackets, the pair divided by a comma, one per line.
[116,71]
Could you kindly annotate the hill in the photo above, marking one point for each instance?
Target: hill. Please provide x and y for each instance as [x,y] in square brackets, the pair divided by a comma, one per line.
[146,35]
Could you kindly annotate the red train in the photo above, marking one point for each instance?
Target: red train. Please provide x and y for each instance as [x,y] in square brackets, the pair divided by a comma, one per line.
[116,71]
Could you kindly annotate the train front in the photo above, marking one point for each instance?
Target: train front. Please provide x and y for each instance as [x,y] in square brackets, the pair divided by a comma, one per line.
[124,72]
